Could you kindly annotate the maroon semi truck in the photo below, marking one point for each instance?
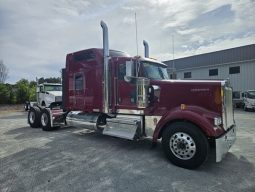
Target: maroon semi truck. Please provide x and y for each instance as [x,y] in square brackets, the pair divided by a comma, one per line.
[133,98]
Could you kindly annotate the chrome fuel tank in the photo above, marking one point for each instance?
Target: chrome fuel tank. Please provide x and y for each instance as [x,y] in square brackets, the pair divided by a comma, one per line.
[83,120]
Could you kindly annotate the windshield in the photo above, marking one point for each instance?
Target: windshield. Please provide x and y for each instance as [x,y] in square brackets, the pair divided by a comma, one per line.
[154,71]
[52,87]
[251,94]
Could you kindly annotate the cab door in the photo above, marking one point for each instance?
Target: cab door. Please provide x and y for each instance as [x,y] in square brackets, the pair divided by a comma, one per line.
[40,94]
[126,96]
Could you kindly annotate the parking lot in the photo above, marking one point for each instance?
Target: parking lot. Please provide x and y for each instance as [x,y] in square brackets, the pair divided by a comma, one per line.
[72,159]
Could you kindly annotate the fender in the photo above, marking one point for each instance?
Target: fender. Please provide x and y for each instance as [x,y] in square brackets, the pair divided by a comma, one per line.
[196,115]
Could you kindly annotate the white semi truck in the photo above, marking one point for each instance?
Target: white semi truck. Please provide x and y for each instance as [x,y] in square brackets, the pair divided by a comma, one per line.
[46,94]
[248,100]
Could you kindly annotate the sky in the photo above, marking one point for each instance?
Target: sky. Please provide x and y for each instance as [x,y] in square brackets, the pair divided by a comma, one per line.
[36,35]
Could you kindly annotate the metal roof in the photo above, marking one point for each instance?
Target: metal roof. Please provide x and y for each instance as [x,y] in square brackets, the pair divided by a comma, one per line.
[237,54]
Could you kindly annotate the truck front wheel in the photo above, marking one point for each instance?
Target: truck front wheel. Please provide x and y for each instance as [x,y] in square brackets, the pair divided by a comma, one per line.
[45,120]
[245,107]
[34,117]
[185,145]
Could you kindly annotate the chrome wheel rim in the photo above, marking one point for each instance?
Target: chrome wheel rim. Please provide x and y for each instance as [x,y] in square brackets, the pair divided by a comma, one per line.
[44,119]
[32,117]
[182,146]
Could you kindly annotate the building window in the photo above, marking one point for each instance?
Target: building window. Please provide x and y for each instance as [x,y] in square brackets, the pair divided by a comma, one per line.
[213,72]
[187,75]
[234,70]
[78,82]
[173,76]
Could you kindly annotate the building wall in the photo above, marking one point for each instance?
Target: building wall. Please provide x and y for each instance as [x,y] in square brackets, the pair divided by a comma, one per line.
[245,80]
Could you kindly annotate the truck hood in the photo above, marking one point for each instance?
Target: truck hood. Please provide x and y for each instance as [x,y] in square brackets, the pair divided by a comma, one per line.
[55,93]
[222,82]
[174,93]
[251,101]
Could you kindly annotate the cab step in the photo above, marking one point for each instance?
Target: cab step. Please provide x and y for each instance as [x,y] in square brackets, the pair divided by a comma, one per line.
[124,126]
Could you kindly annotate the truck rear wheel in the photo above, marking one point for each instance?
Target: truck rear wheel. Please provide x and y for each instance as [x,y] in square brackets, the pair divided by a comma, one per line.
[185,145]
[34,117]
[45,120]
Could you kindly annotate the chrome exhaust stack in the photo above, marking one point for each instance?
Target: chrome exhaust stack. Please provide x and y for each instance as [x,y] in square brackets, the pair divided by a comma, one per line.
[146,49]
[106,67]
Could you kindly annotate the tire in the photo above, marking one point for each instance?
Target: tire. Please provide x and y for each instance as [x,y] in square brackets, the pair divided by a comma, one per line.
[33,117]
[185,145]
[45,120]
[245,108]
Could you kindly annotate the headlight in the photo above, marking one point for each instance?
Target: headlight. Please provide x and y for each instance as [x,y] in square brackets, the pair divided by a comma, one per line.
[217,121]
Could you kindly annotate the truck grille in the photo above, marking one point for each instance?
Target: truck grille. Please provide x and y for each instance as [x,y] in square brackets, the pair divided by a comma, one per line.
[228,115]
[58,98]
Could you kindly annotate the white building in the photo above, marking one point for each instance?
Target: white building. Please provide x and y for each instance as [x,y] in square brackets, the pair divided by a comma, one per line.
[237,64]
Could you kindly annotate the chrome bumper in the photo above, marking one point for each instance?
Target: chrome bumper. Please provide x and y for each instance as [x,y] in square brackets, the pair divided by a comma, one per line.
[224,143]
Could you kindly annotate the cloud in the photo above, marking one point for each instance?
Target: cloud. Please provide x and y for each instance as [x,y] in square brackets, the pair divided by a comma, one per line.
[35,36]
[129,20]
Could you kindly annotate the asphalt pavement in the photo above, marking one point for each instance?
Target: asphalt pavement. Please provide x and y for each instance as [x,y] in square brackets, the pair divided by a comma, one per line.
[73,159]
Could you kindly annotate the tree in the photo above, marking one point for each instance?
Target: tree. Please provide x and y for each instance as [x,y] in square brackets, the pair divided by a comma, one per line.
[3,72]
[23,91]
[4,94]
[13,96]
[32,91]
[49,80]
[41,80]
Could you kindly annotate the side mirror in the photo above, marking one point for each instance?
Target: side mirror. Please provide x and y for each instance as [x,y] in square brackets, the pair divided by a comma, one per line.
[130,71]
[37,89]
[154,93]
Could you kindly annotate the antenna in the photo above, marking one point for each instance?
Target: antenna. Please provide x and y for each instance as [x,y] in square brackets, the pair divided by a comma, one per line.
[173,72]
[136,35]
[173,50]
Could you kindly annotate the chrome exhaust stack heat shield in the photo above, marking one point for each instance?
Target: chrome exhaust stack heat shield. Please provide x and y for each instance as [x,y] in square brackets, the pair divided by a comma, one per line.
[142,89]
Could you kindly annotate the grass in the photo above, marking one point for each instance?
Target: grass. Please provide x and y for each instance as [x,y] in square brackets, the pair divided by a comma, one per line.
[5,109]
